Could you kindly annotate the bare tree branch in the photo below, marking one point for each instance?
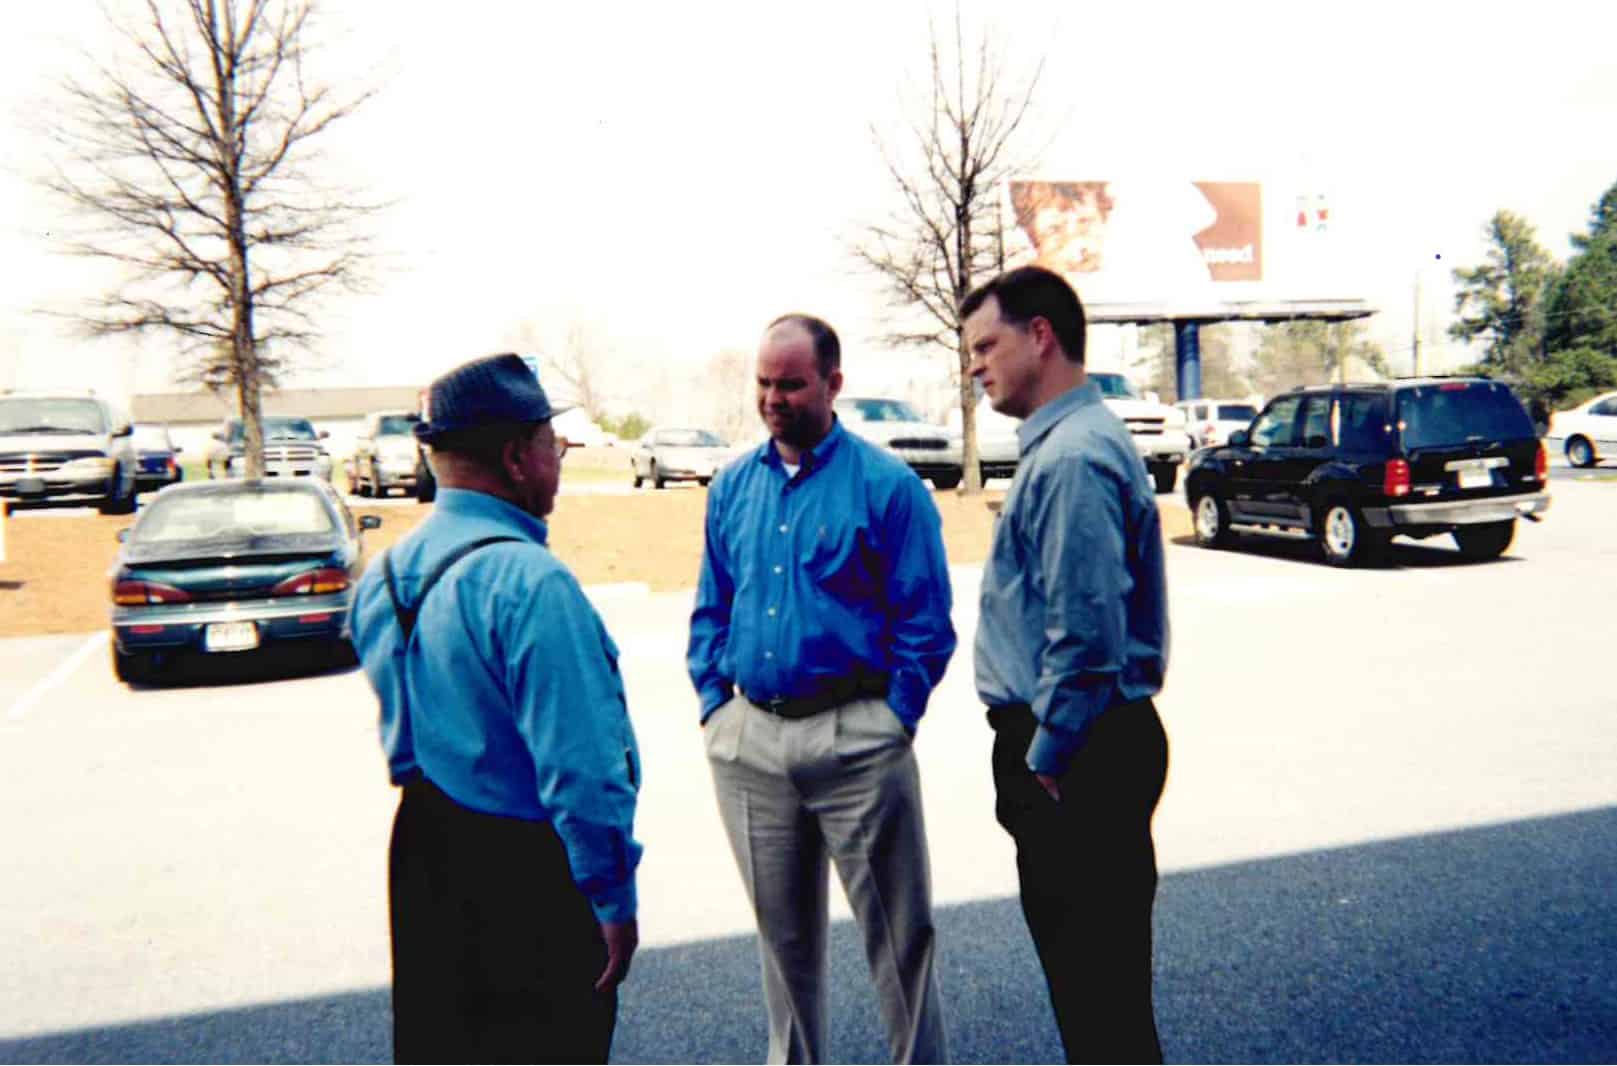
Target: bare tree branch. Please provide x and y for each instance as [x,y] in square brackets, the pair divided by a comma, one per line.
[185,165]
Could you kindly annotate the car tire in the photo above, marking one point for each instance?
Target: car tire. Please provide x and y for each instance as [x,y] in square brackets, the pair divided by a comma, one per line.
[1166,477]
[1489,540]
[947,481]
[634,469]
[704,481]
[1211,521]
[1579,452]
[1344,538]
[132,667]
[377,485]
[119,501]
[657,480]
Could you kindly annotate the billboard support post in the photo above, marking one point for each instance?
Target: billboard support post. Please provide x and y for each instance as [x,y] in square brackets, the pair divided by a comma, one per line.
[1187,358]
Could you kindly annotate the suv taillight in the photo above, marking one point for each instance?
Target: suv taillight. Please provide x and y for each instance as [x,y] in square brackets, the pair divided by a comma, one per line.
[1541,464]
[1396,480]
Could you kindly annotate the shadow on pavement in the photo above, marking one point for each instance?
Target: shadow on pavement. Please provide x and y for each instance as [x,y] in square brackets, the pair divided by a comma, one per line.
[1495,944]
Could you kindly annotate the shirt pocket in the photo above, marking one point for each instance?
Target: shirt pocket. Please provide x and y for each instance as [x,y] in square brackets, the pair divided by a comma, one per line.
[842,562]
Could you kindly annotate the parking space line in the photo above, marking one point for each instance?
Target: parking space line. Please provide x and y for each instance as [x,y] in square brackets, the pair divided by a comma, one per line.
[63,671]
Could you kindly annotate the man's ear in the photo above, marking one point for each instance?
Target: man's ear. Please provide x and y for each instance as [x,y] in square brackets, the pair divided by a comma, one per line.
[511,460]
[1044,335]
[834,382]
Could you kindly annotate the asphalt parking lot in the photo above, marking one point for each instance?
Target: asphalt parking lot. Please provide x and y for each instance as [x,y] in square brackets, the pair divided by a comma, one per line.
[1389,834]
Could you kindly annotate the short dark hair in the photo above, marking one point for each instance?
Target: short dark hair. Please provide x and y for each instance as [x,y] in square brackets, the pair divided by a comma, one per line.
[485,445]
[1033,292]
[827,348]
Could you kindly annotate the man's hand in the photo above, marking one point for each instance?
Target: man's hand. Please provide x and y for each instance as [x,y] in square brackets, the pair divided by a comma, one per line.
[621,940]
[1051,785]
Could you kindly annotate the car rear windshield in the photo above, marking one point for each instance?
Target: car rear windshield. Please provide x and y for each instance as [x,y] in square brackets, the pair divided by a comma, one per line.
[28,414]
[210,515]
[689,438]
[878,410]
[1460,412]
[1115,386]
[1236,412]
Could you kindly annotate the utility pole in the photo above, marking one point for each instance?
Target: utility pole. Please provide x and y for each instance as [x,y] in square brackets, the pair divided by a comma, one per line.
[1416,342]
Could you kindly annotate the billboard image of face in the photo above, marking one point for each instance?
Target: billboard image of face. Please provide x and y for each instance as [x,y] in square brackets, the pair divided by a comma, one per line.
[1143,240]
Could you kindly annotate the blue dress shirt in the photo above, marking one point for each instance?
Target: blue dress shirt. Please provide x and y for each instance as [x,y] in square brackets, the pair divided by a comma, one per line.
[1074,612]
[507,696]
[837,571]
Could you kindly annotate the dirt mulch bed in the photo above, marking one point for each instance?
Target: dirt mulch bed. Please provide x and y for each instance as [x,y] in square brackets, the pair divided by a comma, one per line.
[58,567]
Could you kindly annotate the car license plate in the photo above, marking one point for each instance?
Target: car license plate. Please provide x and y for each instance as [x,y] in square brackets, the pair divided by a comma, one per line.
[1476,478]
[230,636]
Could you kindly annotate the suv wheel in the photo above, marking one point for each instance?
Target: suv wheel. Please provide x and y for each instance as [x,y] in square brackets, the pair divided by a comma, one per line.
[118,501]
[657,480]
[947,481]
[132,667]
[1212,521]
[1166,475]
[1343,537]
[1486,541]
[1579,452]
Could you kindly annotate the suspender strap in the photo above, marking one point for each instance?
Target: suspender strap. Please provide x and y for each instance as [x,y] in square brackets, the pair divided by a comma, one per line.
[407,614]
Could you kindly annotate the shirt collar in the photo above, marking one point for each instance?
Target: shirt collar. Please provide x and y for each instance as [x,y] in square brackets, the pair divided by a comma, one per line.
[1042,421]
[812,459]
[469,503]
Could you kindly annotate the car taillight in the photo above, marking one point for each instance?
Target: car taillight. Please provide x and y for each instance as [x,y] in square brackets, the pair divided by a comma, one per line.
[1541,463]
[142,593]
[1396,481]
[313,583]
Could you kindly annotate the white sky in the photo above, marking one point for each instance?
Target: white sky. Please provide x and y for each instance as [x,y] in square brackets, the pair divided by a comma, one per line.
[676,175]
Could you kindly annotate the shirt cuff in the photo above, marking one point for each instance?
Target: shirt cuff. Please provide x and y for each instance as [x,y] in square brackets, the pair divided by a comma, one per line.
[618,904]
[1052,750]
[907,697]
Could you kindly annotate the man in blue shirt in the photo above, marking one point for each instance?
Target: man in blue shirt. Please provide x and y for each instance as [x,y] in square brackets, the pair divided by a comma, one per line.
[1072,643]
[512,863]
[821,627]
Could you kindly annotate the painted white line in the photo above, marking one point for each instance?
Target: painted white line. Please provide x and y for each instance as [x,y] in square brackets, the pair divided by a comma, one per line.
[56,677]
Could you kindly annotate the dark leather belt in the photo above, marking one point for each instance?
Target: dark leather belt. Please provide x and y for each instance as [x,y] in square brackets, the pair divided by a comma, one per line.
[833,693]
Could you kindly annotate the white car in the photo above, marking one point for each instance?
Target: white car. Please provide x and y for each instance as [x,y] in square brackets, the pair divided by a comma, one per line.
[676,453]
[1211,422]
[1588,432]
[997,447]
[931,451]
[1159,431]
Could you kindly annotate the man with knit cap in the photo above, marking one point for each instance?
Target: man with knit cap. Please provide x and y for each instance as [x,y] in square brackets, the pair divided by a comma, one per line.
[512,862]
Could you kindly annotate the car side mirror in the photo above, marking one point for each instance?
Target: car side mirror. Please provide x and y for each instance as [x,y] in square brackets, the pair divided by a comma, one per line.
[125,430]
[178,449]
[216,435]
[324,433]
[369,521]
[1240,439]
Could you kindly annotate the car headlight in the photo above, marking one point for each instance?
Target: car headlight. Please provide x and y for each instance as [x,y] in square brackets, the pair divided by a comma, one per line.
[94,466]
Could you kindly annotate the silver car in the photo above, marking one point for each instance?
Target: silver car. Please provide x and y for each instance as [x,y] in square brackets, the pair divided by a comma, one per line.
[678,454]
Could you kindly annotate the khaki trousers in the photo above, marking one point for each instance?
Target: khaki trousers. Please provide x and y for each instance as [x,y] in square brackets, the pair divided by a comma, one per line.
[841,786]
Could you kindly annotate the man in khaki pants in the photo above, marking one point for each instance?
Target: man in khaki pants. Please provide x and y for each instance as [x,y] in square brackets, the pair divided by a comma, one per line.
[821,627]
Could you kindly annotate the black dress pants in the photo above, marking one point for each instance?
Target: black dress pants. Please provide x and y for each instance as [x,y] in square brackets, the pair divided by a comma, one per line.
[495,950]
[1088,873]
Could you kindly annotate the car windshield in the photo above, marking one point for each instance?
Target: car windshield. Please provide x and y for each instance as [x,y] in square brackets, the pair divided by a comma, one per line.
[1236,412]
[877,411]
[152,438]
[209,515]
[277,428]
[1115,386]
[26,414]
[1460,412]
[689,438]
[396,425]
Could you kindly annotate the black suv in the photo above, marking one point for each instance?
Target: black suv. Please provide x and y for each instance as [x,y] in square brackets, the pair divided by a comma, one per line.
[1353,465]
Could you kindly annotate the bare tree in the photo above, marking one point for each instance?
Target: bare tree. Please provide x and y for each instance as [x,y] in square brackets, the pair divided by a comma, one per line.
[950,233]
[581,361]
[734,411]
[188,160]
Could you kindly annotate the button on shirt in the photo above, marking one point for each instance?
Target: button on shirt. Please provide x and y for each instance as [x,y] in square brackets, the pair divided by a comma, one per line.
[838,570]
[1074,611]
[507,696]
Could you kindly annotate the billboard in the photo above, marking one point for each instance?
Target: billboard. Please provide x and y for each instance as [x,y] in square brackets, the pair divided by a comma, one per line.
[1144,240]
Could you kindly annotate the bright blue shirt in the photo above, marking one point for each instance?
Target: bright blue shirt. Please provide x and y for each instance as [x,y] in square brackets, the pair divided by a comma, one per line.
[507,696]
[837,571]
[1074,612]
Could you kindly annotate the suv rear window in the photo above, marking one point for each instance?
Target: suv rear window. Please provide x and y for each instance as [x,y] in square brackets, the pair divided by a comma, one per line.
[1460,412]
[1236,412]
[396,425]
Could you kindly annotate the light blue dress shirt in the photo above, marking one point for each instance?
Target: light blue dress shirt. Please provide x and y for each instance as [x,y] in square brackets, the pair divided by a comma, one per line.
[1074,612]
[837,571]
[508,696]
